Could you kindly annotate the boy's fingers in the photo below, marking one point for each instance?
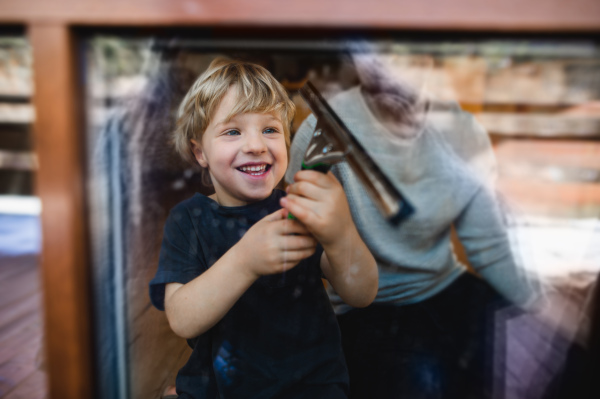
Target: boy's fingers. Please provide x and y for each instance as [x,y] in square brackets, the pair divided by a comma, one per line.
[299,207]
[320,179]
[296,243]
[305,189]
[287,226]
[277,215]
[293,257]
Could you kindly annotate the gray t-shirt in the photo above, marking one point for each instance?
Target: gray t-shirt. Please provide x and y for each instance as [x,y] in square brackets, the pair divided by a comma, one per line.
[446,171]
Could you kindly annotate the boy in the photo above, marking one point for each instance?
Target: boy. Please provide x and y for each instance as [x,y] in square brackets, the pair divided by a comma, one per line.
[237,278]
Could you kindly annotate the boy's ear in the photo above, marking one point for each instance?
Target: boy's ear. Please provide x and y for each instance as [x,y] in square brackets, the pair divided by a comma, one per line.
[198,153]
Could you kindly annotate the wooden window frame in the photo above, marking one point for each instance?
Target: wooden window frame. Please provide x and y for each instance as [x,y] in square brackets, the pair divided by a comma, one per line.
[59,133]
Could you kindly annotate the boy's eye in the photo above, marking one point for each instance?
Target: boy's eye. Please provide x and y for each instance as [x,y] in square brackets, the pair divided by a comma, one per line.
[270,130]
[232,132]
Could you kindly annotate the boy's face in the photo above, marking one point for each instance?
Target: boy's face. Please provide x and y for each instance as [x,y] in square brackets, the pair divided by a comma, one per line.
[245,156]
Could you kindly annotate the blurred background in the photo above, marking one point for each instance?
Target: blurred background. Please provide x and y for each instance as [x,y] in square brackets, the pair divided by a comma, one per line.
[87,106]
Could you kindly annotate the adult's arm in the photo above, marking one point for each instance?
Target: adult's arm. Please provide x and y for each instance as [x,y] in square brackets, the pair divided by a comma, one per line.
[484,235]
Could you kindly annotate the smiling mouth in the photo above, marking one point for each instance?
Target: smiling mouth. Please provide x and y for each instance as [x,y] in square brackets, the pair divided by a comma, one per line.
[254,170]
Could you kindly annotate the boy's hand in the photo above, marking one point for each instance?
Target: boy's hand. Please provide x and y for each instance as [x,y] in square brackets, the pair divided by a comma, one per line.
[319,202]
[272,245]
[275,244]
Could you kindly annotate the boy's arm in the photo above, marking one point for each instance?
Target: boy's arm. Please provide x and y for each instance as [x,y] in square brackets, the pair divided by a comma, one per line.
[319,202]
[351,270]
[195,307]
[270,246]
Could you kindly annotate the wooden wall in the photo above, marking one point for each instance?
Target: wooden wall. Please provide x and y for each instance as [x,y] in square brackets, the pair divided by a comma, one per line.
[59,136]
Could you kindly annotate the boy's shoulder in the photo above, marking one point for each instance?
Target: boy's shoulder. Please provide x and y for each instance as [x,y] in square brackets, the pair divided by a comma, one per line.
[195,200]
[192,206]
[191,202]
[201,205]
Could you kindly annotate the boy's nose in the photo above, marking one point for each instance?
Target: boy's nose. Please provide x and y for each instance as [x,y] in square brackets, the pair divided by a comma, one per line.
[255,143]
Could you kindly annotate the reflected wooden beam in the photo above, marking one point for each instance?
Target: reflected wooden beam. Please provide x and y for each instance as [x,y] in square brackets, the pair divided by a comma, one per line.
[492,15]
[64,264]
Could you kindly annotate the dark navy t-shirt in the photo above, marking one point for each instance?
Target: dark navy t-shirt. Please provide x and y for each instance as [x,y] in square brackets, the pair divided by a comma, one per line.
[280,340]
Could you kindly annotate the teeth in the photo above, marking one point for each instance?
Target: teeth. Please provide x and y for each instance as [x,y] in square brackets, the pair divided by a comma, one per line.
[255,168]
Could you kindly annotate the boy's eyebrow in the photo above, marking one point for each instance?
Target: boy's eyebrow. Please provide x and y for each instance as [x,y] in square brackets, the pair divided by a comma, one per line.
[274,117]
[227,120]
[223,122]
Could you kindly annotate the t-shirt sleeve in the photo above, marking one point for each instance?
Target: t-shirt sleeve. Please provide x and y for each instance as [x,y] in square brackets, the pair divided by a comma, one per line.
[180,259]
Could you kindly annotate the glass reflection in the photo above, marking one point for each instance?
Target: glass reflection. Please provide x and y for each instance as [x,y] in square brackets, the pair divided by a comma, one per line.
[532,138]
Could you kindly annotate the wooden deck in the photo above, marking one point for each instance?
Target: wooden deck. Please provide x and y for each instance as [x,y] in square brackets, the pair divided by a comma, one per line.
[21,352]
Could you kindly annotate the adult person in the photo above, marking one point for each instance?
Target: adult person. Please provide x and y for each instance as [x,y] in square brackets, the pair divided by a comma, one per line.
[429,332]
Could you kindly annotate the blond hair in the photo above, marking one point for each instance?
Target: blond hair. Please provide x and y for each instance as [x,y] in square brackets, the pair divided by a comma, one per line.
[257,92]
